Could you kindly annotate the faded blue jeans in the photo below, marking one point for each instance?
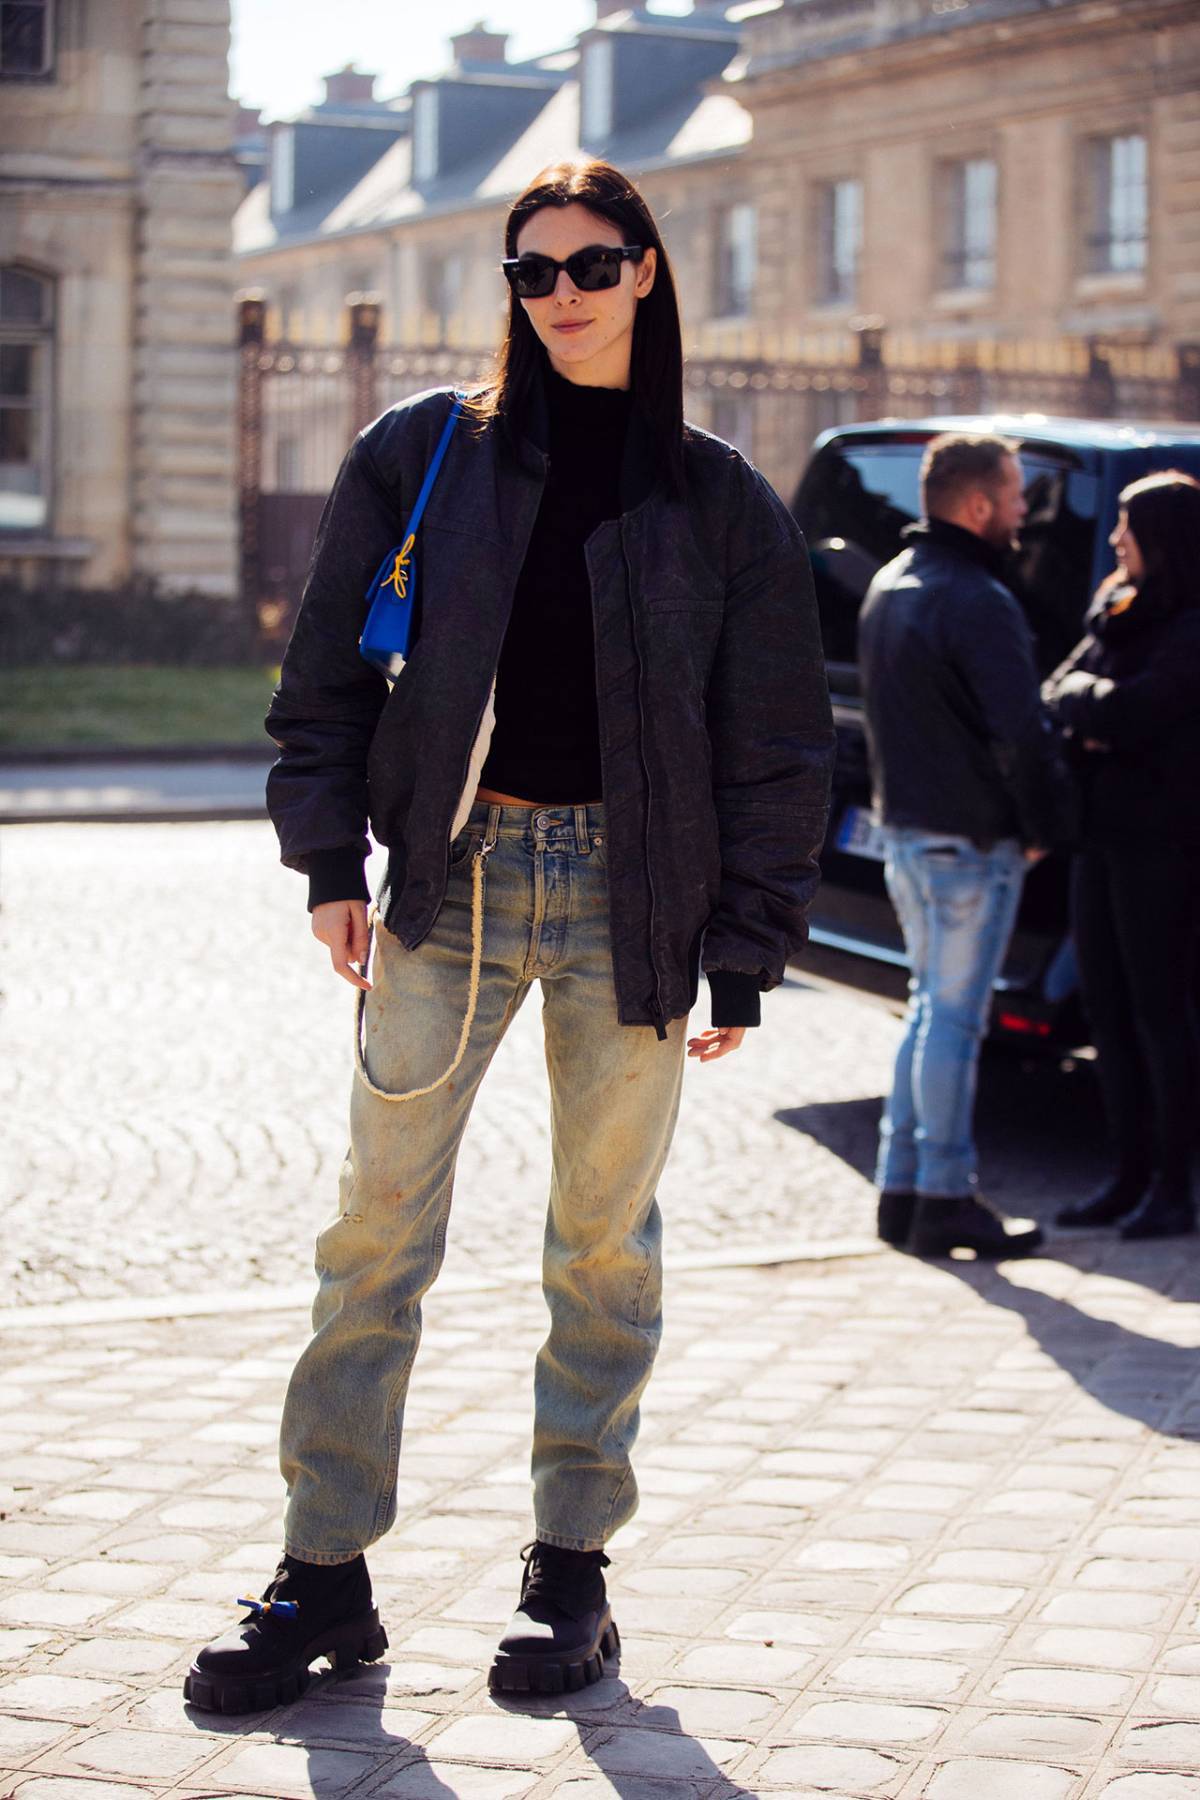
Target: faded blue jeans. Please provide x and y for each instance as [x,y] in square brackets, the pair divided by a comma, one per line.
[956,905]
[614,1098]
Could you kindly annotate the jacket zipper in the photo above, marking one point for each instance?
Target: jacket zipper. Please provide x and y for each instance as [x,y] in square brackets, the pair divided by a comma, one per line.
[656,1005]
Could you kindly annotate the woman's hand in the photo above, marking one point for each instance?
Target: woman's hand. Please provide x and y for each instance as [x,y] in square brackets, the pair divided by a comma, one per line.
[342,925]
[717,1042]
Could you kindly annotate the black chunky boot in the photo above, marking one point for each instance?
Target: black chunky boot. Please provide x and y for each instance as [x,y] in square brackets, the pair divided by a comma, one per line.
[563,1627]
[1167,1211]
[894,1216]
[967,1223]
[1113,1201]
[308,1610]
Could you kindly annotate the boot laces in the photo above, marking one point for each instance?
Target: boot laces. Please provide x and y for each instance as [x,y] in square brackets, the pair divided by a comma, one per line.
[555,1577]
[272,1605]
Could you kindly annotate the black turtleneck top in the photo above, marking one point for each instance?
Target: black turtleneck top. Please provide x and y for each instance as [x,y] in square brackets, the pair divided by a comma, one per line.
[546,745]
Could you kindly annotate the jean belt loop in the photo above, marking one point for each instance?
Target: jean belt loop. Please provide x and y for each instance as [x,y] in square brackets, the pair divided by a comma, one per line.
[582,841]
[492,830]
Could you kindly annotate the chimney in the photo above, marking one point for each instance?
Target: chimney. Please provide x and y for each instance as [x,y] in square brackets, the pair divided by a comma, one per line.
[479,45]
[349,86]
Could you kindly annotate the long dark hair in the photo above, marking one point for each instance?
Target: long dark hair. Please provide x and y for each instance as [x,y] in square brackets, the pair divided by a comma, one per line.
[1163,510]
[656,374]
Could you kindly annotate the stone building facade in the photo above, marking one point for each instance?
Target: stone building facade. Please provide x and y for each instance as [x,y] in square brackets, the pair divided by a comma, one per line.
[988,167]
[991,170]
[962,172]
[117,193]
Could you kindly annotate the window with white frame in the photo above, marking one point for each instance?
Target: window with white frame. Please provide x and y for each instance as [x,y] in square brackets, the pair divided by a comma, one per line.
[969,224]
[839,241]
[737,261]
[1117,204]
[26,345]
[596,91]
[425,134]
[26,38]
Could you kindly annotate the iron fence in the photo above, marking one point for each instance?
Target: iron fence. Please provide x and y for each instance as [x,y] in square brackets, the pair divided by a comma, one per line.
[768,391]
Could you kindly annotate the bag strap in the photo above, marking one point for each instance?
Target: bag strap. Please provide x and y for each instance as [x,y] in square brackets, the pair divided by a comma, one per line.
[435,464]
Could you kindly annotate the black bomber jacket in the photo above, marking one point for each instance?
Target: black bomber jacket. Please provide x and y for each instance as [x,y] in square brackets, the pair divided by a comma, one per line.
[716,736]
[958,739]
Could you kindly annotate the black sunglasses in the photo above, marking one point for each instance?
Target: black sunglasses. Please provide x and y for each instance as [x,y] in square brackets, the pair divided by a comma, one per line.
[532,276]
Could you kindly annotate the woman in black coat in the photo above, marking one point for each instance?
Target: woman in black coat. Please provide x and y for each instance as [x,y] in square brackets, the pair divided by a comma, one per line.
[1127,700]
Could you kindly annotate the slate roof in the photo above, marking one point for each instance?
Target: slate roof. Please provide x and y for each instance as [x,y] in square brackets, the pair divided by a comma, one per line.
[688,127]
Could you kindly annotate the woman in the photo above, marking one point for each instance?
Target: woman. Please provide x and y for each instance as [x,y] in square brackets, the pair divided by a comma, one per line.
[1126,700]
[652,797]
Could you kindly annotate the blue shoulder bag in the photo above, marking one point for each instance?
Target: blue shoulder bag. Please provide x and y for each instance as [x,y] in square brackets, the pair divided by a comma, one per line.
[386,635]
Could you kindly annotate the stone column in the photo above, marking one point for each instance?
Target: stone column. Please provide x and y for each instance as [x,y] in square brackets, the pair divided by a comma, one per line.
[252,310]
[871,387]
[362,338]
[1189,381]
[185,366]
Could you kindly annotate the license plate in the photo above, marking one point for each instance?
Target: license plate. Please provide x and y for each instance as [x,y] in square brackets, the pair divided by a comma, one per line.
[858,834]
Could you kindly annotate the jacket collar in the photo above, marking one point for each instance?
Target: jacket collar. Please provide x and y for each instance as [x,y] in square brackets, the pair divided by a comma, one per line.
[639,471]
[956,537]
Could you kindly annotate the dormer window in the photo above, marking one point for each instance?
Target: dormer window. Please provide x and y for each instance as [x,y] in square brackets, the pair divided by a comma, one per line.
[425,134]
[597,116]
[283,169]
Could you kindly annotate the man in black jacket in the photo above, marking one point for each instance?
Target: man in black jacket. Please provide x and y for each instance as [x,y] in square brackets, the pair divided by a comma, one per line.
[969,793]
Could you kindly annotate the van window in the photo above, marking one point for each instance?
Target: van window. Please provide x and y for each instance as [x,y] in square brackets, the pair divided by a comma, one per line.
[858,496]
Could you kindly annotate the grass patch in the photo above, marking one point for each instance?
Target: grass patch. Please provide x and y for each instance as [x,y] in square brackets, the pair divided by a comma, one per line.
[100,706]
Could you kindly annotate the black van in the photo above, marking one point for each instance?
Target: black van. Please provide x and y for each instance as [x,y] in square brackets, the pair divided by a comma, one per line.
[859,491]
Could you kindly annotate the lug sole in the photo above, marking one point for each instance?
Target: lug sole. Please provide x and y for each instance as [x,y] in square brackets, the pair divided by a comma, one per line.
[551,1674]
[360,1640]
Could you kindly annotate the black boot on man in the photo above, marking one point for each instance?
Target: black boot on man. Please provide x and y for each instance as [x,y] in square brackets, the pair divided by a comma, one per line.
[894,1216]
[308,1610]
[563,1627]
[1167,1211]
[967,1223]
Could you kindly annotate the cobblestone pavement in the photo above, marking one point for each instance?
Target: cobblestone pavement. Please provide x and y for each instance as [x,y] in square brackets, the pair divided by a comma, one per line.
[176,1074]
[914,1532]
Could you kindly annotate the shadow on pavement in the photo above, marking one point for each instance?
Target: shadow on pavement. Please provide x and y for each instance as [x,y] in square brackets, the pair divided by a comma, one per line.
[1039,1128]
[341,1716]
[1140,1377]
[636,1746]
[338,1717]
[1040,1131]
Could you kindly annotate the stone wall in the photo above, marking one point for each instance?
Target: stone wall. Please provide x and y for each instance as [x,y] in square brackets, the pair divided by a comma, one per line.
[117,183]
[1026,90]
[185,397]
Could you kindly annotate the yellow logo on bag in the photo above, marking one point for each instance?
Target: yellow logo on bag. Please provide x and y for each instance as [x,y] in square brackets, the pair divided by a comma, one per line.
[398,579]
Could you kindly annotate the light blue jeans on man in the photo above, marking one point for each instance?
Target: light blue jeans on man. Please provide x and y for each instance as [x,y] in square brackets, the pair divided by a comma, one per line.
[956,904]
[614,1094]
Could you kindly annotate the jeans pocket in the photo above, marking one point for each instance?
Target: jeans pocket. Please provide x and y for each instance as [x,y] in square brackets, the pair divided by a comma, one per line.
[463,846]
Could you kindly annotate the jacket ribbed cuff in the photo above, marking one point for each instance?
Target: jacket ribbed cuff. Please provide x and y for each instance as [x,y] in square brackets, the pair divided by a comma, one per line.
[336,875]
[735,998]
